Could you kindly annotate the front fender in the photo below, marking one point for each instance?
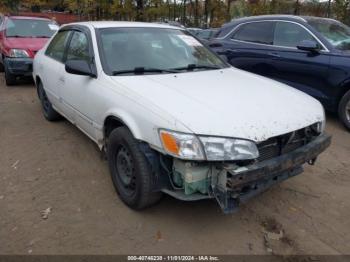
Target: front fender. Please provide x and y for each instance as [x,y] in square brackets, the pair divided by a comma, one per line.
[143,125]
[127,120]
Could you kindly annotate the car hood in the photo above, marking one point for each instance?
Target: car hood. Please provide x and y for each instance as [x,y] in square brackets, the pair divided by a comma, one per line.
[228,102]
[32,44]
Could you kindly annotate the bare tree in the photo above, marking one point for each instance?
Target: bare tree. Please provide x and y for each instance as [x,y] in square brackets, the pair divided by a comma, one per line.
[296,8]
[206,12]
[139,10]
[196,13]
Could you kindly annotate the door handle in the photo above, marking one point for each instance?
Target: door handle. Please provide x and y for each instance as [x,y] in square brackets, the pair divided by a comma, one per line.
[274,55]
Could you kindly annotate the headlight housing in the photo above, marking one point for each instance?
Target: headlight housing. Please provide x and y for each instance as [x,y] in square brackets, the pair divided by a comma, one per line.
[185,146]
[191,147]
[18,53]
[220,148]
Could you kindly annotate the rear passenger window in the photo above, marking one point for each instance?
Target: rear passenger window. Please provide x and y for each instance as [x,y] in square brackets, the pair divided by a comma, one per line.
[290,35]
[255,32]
[57,46]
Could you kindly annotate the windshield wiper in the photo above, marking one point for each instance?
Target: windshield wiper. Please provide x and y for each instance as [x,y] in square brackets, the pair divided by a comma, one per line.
[41,36]
[28,36]
[191,67]
[17,36]
[142,70]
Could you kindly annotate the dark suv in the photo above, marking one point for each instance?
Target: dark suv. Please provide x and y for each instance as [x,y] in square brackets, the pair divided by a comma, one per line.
[309,53]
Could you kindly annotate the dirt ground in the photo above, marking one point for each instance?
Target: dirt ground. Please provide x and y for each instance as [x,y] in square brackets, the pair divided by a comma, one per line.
[54,167]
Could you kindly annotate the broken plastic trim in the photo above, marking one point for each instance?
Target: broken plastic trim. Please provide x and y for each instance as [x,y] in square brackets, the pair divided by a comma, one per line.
[231,184]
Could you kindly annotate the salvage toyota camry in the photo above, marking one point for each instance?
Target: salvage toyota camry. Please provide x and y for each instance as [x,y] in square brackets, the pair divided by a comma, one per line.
[174,118]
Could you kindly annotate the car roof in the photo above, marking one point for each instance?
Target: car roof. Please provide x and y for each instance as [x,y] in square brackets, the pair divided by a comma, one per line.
[28,17]
[308,18]
[266,17]
[111,24]
[294,18]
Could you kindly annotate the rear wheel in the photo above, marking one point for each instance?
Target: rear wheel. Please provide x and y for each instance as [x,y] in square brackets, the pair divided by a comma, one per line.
[130,171]
[10,79]
[49,113]
[344,110]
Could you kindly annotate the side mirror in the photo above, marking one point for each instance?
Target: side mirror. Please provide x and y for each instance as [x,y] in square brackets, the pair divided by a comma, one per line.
[79,67]
[308,45]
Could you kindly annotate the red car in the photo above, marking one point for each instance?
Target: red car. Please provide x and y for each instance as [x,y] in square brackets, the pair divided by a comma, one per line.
[20,38]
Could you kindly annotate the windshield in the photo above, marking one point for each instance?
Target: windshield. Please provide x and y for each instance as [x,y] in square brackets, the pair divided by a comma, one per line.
[30,28]
[335,32]
[153,50]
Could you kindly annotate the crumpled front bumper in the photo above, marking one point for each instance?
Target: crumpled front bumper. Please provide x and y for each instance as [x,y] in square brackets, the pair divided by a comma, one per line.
[19,66]
[235,185]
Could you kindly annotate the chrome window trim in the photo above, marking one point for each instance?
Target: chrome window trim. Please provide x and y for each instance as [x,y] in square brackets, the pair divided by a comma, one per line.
[325,49]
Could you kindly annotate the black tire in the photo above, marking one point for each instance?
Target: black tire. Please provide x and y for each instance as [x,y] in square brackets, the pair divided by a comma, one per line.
[130,171]
[344,110]
[10,79]
[49,113]
[2,63]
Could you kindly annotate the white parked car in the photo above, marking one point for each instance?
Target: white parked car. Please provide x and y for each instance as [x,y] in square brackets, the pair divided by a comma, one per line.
[172,116]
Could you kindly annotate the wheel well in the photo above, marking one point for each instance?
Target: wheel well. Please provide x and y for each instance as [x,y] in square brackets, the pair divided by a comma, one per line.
[110,124]
[344,90]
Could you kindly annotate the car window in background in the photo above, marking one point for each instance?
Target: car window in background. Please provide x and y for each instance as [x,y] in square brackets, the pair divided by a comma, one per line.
[79,47]
[30,28]
[335,32]
[130,48]
[255,32]
[290,35]
[57,46]
[205,34]
[223,31]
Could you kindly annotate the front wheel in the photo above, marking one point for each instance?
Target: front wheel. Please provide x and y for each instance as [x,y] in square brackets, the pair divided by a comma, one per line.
[10,79]
[344,110]
[130,171]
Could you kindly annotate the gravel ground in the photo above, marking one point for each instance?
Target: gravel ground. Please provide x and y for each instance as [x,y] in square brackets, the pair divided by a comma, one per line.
[56,197]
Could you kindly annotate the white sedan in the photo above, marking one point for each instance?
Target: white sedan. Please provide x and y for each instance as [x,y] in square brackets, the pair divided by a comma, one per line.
[173,117]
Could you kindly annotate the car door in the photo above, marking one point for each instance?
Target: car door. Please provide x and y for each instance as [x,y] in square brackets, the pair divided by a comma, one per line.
[76,89]
[51,63]
[304,70]
[250,48]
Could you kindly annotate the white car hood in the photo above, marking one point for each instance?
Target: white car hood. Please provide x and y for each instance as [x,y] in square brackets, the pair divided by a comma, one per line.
[228,102]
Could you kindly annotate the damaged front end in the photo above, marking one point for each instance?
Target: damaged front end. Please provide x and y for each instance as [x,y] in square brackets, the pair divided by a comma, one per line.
[233,182]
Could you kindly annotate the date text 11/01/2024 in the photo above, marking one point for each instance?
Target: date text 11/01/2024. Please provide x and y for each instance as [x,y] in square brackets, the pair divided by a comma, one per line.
[173,258]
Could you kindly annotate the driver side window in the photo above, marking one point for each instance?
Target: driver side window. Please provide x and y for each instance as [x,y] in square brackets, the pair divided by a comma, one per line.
[290,35]
[79,47]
